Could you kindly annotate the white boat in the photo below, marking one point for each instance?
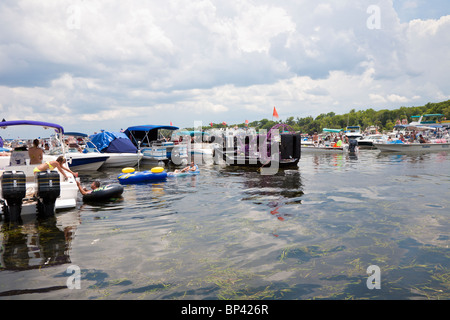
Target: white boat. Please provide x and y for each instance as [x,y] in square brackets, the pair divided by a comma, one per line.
[311,148]
[79,157]
[156,147]
[413,147]
[353,132]
[118,147]
[17,173]
[369,140]
[120,160]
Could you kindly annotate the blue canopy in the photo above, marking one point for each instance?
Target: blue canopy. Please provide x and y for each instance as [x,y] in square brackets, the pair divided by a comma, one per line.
[145,133]
[149,127]
[77,134]
[113,142]
[57,127]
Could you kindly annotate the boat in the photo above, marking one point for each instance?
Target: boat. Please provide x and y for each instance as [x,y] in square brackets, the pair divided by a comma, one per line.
[255,150]
[324,143]
[311,148]
[405,139]
[130,176]
[368,141]
[434,120]
[399,146]
[353,132]
[156,147]
[81,158]
[202,144]
[25,193]
[118,147]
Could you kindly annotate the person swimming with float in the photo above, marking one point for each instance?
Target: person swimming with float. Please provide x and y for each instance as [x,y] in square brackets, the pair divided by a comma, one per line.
[94,186]
[52,164]
[191,167]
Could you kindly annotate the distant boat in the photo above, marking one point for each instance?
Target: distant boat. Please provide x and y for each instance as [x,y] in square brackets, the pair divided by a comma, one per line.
[311,148]
[155,147]
[353,132]
[369,140]
[325,145]
[398,146]
[118,147]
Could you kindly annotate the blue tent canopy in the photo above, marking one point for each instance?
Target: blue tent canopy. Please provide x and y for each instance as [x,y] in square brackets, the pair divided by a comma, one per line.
[113,142]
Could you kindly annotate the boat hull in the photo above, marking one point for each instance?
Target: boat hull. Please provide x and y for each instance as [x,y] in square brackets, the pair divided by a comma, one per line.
[85,161]
[412,147]
[120,160]
[323,149]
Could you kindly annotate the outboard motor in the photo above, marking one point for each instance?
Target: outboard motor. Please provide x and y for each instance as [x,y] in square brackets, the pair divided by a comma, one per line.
[13,191]
[48,189]
[352,145]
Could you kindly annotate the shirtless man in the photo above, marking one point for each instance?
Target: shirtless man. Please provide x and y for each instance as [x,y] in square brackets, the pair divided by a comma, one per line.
[35,153]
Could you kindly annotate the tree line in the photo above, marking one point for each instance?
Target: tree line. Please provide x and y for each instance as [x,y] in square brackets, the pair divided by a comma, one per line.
[384,119]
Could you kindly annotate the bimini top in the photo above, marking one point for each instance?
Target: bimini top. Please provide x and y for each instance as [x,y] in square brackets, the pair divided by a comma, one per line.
[76,134]
[57,127]
[150,127]
[331,130]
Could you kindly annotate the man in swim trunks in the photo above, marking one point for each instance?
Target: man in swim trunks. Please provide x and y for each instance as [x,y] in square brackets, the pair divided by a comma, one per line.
[58,164]
[192,167]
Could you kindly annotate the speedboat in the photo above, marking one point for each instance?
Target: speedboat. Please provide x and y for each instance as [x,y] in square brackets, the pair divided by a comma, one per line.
[369,140]
[156,147]
[79,157]
[353,132]
[22,191]
[118,147]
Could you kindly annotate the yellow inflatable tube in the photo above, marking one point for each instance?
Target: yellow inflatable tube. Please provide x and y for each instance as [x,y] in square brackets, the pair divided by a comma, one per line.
[157,169]
[128,170]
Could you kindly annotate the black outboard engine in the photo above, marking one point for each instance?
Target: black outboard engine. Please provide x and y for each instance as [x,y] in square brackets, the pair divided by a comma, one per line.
[48,189]
[13,191]
[352,145]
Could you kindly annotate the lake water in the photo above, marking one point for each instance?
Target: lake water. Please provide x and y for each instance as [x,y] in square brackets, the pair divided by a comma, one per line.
[232,233]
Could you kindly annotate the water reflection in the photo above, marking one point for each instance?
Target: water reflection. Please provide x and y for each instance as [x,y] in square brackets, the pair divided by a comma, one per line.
[36,244]
[273,191]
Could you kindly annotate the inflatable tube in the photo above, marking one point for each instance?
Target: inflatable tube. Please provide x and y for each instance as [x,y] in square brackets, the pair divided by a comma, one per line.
[104,193]
[128,170]
[183,174]
[141,177]
[157,169]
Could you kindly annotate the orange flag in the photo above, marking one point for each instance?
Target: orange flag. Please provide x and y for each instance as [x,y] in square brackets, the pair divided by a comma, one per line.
[275,113]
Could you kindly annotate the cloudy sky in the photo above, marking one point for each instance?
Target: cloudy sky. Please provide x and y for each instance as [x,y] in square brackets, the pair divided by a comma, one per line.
[102,64]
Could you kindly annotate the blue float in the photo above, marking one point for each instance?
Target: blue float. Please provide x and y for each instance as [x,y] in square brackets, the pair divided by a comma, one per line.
[131,177]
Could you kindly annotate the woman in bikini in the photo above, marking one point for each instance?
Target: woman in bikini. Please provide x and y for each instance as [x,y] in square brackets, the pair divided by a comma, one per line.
[58,163]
